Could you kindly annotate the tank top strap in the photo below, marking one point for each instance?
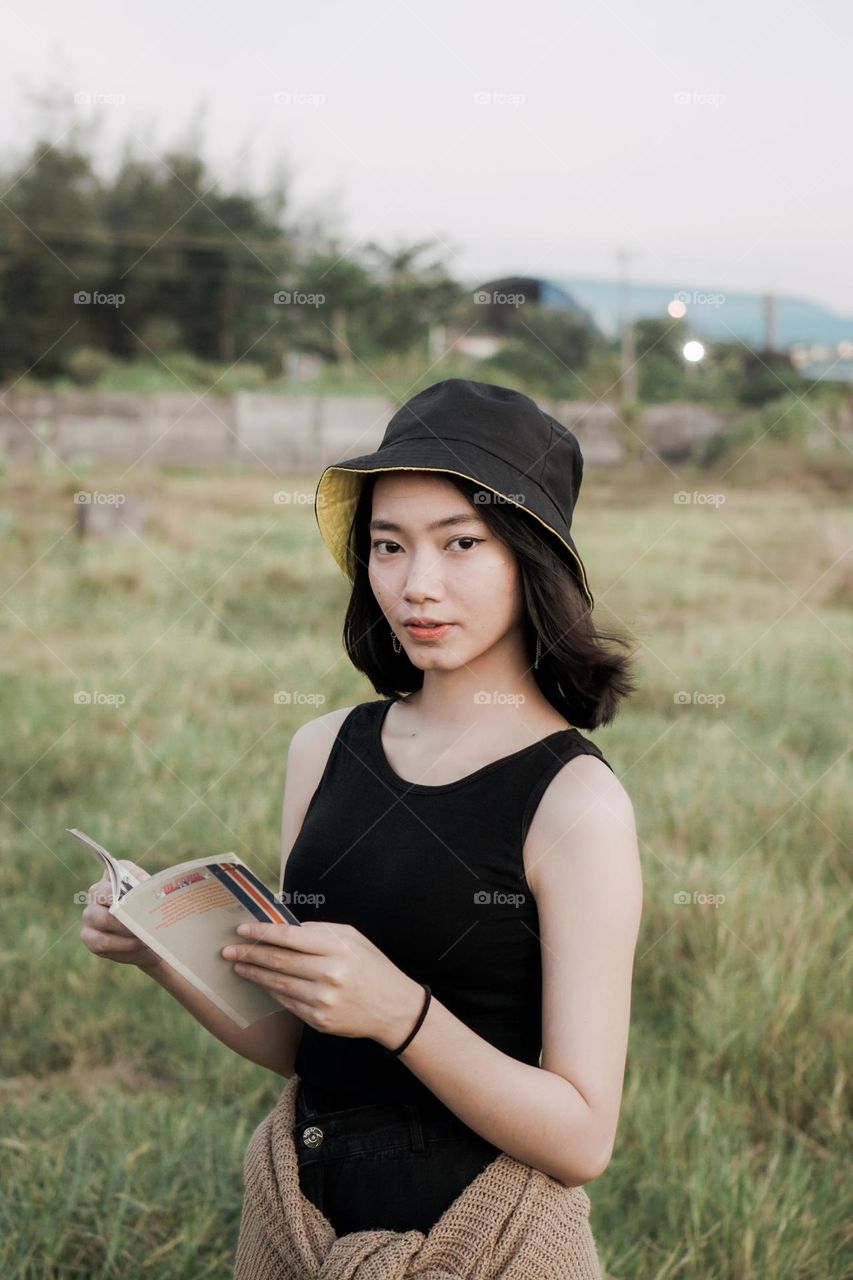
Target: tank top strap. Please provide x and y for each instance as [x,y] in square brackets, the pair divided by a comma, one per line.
[342,742]
[552,756]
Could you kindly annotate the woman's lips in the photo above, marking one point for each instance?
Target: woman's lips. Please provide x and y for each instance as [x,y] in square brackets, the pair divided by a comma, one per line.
[428,633]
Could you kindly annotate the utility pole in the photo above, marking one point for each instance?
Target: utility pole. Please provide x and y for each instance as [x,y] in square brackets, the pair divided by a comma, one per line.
[770,323]
[628,368]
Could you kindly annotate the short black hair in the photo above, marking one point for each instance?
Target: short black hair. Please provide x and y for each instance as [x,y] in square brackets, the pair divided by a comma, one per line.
[579,672]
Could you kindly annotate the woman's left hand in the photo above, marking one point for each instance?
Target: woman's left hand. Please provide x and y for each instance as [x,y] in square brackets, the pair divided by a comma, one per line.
[331,976]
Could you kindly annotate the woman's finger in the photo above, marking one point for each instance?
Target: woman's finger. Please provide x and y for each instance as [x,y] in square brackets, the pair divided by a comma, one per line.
[282,984]
[100,892]
[312,936]
[99,918]
[104,944]
[278,959]
[109,924]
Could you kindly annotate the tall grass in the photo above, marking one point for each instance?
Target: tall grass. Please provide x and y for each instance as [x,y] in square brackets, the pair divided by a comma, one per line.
[124,1123]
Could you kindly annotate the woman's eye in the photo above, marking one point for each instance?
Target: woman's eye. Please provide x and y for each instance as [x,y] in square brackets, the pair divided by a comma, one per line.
[383,542]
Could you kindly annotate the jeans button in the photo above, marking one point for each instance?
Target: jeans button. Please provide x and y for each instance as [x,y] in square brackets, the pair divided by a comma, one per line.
[312,1136]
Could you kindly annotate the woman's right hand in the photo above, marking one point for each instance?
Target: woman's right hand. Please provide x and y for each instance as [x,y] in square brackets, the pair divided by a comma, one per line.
[107,937]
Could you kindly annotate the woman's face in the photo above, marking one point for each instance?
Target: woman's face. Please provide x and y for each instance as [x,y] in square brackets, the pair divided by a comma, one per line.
[457,573]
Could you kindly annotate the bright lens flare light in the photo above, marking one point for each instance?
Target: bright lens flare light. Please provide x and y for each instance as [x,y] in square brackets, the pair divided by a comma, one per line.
[676,309]
[693,351]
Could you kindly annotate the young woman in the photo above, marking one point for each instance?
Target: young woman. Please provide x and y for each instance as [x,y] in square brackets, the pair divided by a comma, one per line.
[463,859]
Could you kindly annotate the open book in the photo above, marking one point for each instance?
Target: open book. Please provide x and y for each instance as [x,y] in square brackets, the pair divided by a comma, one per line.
[188,913]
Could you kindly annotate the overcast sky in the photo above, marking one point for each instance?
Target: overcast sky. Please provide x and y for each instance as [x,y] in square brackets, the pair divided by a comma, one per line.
[712,142]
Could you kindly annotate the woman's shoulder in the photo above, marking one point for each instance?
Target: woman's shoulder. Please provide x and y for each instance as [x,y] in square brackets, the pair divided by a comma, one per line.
[584,783]
[314,738]
[321,729]
[307,757]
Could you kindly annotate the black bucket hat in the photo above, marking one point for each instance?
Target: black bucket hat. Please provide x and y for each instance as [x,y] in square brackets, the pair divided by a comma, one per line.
[494,436]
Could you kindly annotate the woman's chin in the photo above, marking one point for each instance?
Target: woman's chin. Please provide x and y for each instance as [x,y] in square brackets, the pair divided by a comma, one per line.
[438,660]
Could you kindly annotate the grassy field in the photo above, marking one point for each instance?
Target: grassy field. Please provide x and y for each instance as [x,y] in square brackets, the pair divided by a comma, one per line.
[124,1123]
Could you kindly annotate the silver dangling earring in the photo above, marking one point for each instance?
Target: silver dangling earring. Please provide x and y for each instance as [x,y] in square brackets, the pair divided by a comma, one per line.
[395,643]
[538,651]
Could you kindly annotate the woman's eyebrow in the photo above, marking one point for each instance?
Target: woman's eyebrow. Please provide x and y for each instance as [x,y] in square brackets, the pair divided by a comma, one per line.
[463,517]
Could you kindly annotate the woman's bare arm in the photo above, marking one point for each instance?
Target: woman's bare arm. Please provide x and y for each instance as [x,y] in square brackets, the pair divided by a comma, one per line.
[273,1042]
[582,862]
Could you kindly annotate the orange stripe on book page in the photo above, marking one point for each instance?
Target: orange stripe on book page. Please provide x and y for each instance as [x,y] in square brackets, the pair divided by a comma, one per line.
[247,887]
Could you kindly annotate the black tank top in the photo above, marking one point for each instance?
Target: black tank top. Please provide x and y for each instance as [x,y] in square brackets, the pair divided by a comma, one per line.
[434,877]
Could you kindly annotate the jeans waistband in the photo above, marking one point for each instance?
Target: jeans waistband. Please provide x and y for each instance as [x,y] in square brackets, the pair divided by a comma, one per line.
[372,1126]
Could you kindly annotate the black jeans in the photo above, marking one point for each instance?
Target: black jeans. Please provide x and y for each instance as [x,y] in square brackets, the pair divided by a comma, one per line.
[396,1166]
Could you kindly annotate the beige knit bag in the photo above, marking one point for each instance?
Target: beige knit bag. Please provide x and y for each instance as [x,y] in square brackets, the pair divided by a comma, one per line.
[511,1221]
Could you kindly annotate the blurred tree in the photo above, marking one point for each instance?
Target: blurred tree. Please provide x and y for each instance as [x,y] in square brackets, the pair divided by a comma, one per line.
[43,265]
[544,346]
[736,375]
[333,326]
[662,335]
[191,269]
[661,371]
[530,368]
[765,376]
[157,267]
[561,336]
[210,262]
[410,296]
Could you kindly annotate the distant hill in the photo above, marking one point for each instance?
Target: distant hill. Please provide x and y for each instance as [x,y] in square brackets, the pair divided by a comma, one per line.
[717,314]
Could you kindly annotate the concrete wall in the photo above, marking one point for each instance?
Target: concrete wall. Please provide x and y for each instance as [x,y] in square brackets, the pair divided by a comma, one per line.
[287,433]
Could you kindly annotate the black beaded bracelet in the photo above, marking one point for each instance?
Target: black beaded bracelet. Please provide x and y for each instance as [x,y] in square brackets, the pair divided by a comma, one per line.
[410,1037]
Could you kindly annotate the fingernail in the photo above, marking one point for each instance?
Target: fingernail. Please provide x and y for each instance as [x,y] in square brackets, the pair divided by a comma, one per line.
[228,951]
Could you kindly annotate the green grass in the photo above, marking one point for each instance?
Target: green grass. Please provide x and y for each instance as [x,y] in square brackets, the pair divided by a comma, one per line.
[124,1123]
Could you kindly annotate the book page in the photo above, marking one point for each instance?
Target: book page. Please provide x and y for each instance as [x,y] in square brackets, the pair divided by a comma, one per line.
[187,914]
[121,880]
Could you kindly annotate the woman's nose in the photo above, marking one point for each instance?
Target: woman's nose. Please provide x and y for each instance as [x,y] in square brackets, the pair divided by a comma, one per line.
[423,575]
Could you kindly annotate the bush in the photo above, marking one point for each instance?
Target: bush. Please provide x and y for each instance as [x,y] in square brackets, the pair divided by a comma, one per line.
[87,365]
